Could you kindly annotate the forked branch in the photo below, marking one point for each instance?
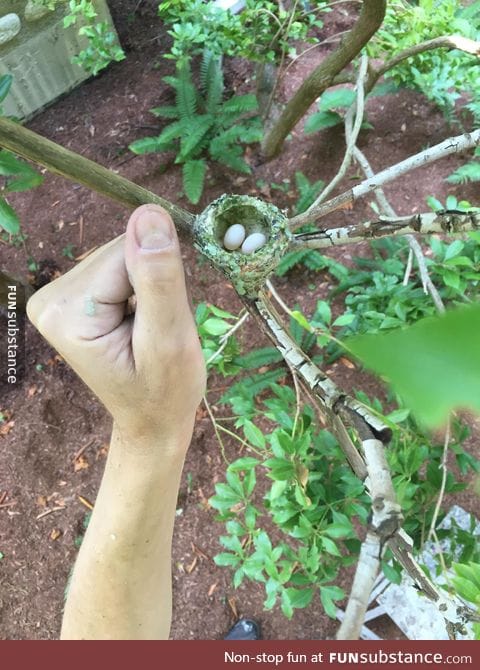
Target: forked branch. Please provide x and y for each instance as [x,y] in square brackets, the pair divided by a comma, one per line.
[452,145]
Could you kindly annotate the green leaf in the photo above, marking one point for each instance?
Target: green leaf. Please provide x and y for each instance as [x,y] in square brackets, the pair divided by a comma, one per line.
[286,604]
[5,84]
[8,219]
[327,595]
[391,574]
[321,120]
[253,434]
[344,319]
[281,469]
[340,97]
[245,463]
[165,112]
[193,179]
[258,357]
[337,530]
[235,162]
[192,141]
[434,364]
[216,326]
[226,559]
[148,145]
[24,183]
[300,598]
[329,546]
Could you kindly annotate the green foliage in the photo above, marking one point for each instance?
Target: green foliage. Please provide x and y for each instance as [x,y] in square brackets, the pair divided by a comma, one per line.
[467,585]
[103,46]
[262,31]
[203,124]
[213,325]
[468,172]
[296,475]
[326,117]
[311,259]
[442,76]
[15,174]
[443,366]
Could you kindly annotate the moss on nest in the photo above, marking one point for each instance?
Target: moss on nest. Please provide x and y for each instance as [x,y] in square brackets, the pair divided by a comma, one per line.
[247,272]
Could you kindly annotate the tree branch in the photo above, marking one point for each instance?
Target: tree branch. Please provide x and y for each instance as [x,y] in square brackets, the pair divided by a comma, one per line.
[66,163]
[452,145]
[370,19]
[358,111]
[446,221]
[443,42]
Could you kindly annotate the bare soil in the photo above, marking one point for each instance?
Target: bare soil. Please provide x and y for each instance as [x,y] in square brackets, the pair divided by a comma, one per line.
[45,492]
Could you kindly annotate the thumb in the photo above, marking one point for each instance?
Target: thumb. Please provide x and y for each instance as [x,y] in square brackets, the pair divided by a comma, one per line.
[155,269]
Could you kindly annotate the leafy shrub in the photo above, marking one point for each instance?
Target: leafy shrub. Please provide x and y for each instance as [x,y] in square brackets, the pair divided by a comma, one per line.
[103,46]
[17,175]
[204,125]
[261,32]
[442,76]
[313,499]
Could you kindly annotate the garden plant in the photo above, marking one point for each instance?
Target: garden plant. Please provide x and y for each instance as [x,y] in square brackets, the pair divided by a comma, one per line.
[333,462]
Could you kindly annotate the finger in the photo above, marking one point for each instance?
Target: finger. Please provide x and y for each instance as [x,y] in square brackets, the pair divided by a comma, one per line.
[155,268]
[88,301]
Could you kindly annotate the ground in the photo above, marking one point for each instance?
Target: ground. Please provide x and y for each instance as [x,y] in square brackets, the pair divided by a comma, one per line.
[53,454]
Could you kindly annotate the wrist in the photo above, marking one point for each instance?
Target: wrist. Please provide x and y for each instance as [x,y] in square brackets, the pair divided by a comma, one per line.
[148,445]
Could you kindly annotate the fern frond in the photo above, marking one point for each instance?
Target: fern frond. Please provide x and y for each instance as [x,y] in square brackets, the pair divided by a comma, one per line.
[186,96]
[193,140]
[165,112]
[194,179]
[240,104]
[171,132]
[215,89]
[465,173]
[290,260]
[149,145]
[235,163]
[211,81]
[258,357]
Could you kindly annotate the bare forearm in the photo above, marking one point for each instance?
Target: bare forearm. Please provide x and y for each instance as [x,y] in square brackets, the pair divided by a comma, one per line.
[121,584]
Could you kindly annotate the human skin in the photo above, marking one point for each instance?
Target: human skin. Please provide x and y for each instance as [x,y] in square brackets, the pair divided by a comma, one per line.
[147,369]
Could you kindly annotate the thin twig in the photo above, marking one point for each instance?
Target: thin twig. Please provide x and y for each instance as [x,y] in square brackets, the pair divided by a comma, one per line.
[408,268]
[352,139]
[83,449]
[224,338]
[49,511]
[215,428]
[441,493]
[428,285]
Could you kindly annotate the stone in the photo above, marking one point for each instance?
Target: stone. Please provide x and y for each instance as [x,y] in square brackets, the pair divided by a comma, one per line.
[34,12]
[10,26]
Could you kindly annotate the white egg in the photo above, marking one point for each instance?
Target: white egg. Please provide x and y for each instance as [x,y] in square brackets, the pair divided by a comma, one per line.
[253,242]
[234,237]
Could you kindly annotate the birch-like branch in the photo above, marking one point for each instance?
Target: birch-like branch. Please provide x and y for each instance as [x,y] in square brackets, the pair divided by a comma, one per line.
[357,111]
[385,521]
[445,221]
[453,145]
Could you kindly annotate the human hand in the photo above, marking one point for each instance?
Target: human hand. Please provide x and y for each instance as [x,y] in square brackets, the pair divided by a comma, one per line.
[147,368]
